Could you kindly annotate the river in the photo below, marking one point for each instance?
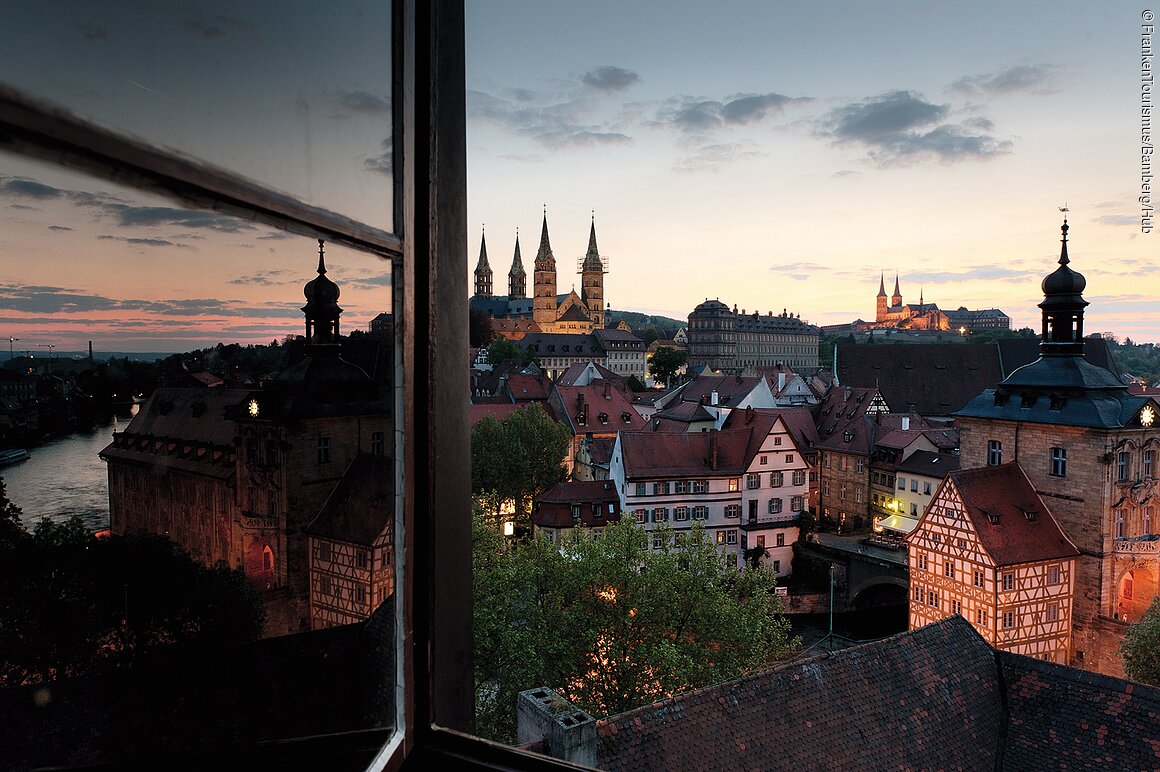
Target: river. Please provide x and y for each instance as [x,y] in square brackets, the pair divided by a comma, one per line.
[65,477]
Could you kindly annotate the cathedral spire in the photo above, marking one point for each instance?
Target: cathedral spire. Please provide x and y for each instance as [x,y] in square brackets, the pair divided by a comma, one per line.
[321,262]
[483,274]
[882,285]
[545,260]
[592,260]
[896,298]
[517,279]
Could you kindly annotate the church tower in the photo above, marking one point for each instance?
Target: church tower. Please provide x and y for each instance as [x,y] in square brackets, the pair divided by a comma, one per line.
[592,280]
[896,299]
[882,305]
[483,271]
[1062,307]
[544,281]
[321,307]
[517,279]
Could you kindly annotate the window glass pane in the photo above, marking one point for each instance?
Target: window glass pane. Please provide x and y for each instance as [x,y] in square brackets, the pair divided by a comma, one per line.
[293,95]
[196,417]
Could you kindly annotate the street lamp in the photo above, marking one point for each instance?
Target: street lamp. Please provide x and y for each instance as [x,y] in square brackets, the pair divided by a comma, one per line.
[11,340]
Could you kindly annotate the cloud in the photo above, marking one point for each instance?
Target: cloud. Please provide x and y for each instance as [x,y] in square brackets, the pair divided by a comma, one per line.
[59,228]
[35,299]
[555,124]
[92,31]
[22,187]
[143,242]
[152,216]
[383,163]
[264,278]
[801,271]
[713,157]
[530,158]
[214,27]
[992,272]
[901,126]
[845,173]
[698,116]
[1021,79]
[609,78]
[1118,219]
[359,102]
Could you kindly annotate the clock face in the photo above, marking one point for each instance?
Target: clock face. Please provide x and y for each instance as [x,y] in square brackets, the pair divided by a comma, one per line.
[253,407]
[1147,416]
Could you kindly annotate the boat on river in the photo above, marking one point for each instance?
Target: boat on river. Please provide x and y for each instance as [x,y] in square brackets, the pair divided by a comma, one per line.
[13,456]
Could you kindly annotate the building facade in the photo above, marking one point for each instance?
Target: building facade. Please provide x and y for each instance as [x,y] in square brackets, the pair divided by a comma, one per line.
[729,341]
[988,549]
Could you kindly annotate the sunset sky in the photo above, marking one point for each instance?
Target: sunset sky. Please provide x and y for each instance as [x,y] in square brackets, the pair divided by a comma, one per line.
[774,155]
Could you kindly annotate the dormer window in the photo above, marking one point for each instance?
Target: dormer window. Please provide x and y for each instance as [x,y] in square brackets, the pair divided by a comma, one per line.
[847,436]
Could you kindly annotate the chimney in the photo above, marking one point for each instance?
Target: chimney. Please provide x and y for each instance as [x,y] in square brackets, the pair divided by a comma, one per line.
[566,732]
[780,382]
[713,450]
[713,398]
[749,414]
[847,393]
[608,389]
[905,423]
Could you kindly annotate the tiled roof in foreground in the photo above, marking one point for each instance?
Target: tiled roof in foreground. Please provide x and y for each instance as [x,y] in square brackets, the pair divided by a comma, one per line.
[934,698]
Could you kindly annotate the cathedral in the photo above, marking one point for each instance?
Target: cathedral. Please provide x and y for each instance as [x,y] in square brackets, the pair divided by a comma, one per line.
[545,311]
[891,312]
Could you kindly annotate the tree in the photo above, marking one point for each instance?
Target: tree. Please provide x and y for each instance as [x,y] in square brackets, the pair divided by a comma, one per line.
[649,335]
[666,361]
[72,604]
[1141,647]
[515,460]
[502,349]
[479,330]
[612,625]
[9,515]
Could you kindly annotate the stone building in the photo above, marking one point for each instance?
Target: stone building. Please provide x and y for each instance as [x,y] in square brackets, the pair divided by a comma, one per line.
[1089,448]
[236,475]
[726,340]
[574,312]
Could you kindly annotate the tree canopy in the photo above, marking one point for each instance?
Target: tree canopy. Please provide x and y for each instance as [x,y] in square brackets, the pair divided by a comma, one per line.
[71,603]
[666,361]
[502,349]
[1141,647]
[514,460]
[612,625]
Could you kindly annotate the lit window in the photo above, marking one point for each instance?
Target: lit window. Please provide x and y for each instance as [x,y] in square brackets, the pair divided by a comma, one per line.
[720,537]
[734,484]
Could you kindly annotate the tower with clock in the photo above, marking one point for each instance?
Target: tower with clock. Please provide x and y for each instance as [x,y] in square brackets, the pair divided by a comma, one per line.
[1091,450]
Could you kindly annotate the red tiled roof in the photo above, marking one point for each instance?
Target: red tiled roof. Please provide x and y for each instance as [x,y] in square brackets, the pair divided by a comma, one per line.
[524,388]
[664,454]
[361,507]
[553,508]
[598,400]
[731,389]
[1005,491]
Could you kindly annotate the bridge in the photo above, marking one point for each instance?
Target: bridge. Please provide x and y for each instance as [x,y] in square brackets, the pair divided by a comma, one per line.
[868,573]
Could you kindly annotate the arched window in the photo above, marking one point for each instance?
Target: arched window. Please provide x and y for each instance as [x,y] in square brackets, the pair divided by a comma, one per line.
[267,559]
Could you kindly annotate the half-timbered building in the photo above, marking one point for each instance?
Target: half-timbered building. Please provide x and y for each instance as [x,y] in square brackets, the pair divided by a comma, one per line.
[988,549]
[351,546]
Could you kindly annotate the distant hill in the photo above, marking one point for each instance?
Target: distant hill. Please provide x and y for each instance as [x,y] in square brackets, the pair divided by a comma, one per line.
[636,321]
